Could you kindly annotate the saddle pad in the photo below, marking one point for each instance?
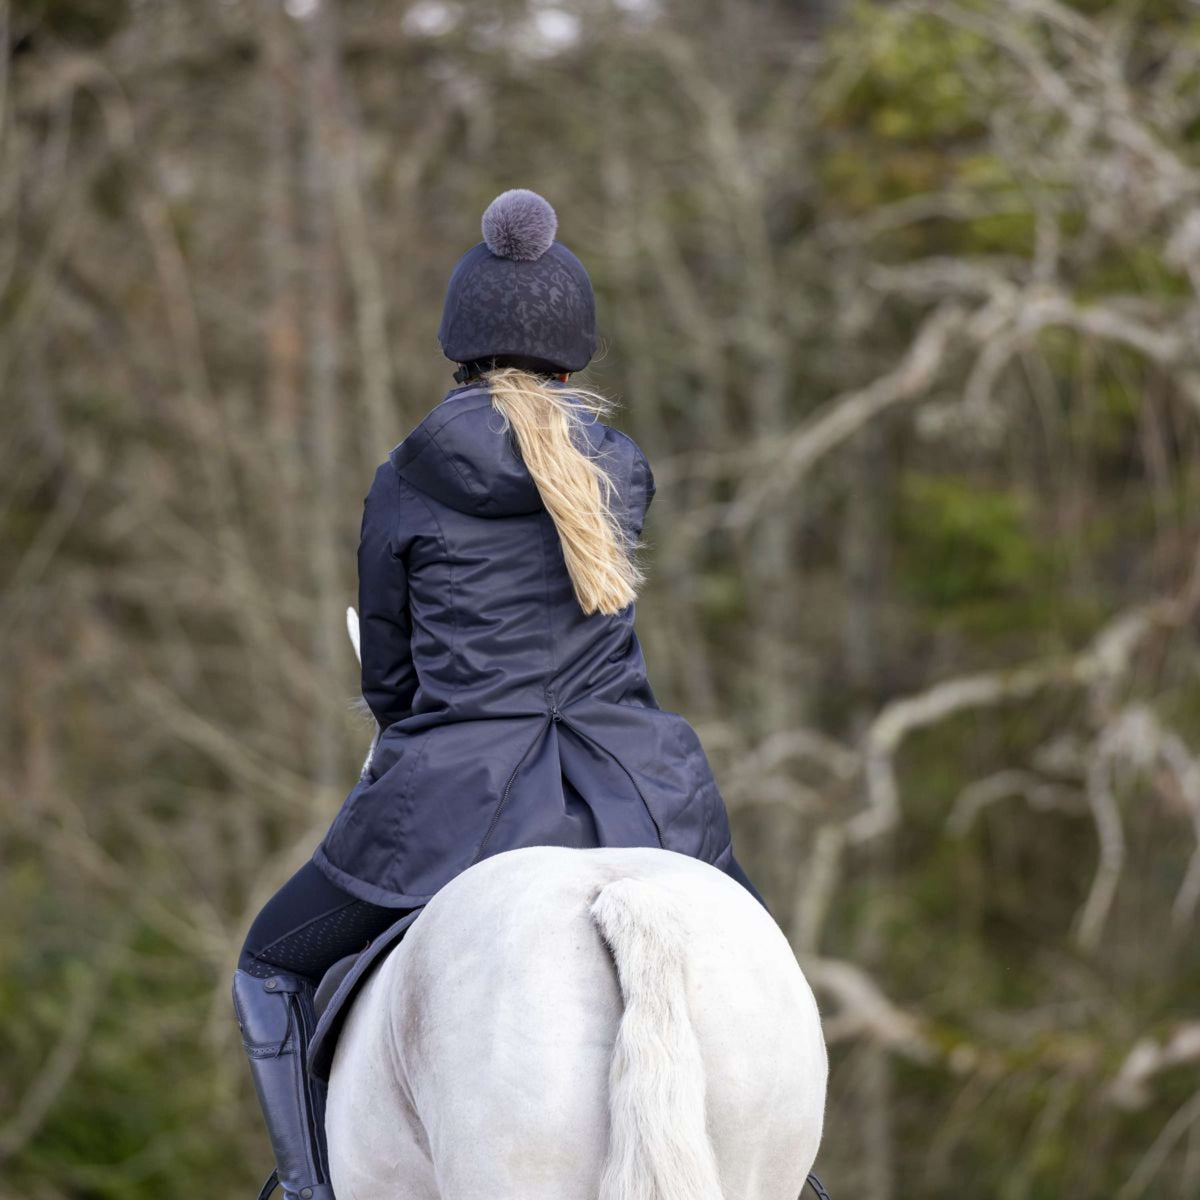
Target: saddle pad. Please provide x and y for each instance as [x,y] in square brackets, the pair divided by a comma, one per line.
[338,997]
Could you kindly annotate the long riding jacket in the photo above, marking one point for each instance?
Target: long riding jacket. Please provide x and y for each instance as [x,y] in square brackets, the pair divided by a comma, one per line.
[509,717]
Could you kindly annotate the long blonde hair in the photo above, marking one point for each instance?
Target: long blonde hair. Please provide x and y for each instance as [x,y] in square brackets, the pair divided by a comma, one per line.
[547,423]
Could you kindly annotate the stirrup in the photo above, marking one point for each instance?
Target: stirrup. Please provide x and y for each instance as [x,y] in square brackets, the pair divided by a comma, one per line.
[812,1181]
[272,1183]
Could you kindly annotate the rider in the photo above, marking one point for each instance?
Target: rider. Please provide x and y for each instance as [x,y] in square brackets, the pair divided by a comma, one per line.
[496,589]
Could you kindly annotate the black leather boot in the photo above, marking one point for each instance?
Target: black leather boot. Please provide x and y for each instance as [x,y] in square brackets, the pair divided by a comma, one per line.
[277,1019]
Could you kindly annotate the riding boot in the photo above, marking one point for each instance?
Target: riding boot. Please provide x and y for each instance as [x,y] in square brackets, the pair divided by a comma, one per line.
[276,1017]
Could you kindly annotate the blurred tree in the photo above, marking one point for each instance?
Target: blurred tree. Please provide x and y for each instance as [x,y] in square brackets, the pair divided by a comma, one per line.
[901,300]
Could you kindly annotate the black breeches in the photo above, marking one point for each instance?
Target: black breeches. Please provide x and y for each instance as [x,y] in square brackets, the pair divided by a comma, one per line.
[308,925]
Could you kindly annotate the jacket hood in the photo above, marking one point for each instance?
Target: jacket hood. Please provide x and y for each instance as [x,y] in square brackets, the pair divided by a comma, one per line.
[462,456]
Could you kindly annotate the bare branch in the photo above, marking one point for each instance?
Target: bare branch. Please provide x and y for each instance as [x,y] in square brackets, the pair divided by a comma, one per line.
[865,1010]
[1039,794]
[1148,1058]
[844,415]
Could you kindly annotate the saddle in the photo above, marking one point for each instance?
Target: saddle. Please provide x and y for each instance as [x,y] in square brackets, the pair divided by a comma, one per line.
[338,988]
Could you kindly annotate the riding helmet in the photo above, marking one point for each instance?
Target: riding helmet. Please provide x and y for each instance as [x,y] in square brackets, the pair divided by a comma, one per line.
[520,297]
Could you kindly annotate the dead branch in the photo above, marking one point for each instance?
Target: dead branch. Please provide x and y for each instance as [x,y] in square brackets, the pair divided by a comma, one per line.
[844,415]
[864,1010]
[1040,794]
[1149,1057]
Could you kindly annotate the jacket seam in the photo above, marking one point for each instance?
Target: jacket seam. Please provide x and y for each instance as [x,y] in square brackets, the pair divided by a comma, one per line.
[552,679]
[433,441]
[637,502]
[395,537]
[445,547]
[408,796]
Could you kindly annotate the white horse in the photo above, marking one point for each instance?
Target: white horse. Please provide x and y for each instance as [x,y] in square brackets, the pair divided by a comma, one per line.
[573,1024]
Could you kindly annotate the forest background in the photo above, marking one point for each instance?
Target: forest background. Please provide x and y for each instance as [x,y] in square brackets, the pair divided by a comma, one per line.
[901,300]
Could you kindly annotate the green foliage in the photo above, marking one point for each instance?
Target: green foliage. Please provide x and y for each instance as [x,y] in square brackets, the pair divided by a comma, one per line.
[1134,268]
[912,121]
[920,78]
[1005,232]
[966,548]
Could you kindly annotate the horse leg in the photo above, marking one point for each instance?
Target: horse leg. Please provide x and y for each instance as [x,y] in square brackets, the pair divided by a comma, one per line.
[377,1149]
[517,1012]
[477,1063]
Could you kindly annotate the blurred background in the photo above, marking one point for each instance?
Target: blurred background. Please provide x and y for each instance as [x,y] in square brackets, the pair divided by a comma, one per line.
[901,300]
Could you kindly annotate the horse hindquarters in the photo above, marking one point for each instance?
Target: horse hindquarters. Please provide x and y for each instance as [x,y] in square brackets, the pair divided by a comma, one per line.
[497,1052]
[658,1144]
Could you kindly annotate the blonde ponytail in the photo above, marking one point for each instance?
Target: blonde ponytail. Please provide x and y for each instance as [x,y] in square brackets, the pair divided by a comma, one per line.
[576,490]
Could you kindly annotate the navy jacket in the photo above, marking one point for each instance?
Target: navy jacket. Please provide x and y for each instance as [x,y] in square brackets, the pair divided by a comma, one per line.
[509,718]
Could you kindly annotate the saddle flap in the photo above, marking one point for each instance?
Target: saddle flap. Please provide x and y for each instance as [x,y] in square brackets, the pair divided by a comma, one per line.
[341,992]
[332,980]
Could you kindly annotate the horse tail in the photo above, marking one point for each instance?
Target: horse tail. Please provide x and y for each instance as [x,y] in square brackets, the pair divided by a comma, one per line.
[659,1147]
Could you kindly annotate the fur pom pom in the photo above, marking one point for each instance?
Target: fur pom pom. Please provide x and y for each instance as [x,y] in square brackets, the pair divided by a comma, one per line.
[519,224]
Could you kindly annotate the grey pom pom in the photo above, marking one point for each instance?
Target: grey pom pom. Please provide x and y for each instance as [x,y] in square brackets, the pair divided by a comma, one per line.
[519,224]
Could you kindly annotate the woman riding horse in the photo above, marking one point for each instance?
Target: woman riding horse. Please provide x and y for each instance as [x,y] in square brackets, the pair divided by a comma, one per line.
[496,596]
